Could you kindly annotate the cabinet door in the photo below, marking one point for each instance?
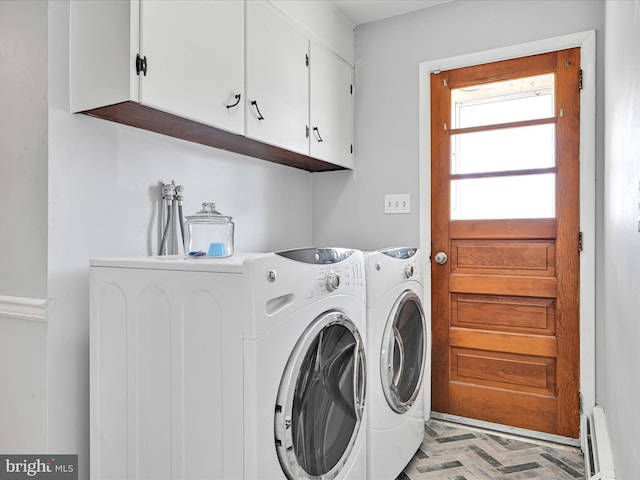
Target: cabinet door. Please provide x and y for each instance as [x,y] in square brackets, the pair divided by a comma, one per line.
[103,43]
[277,79]
[195,65]
[331,100]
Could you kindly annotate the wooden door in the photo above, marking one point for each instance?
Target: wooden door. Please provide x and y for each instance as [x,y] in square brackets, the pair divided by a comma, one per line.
[505,210]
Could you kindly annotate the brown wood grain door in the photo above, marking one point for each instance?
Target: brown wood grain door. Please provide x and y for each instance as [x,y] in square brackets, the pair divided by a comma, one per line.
[505,210]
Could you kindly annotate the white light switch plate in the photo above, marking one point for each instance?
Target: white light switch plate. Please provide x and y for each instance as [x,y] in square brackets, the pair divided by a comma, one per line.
[397,203]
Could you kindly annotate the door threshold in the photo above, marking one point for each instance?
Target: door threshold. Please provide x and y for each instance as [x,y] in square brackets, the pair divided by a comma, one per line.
[505,430]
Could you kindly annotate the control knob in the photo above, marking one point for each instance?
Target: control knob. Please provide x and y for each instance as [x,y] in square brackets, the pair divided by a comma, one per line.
[409,270]
[332,281]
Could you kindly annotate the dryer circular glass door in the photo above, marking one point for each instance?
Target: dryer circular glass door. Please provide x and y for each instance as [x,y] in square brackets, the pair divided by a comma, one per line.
[403,351]
[321,399]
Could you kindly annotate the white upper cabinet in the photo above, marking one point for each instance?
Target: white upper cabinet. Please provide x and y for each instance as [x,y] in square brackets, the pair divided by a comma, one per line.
[255,77]
[331,107]
[191,57]
[277,78]
[195,60]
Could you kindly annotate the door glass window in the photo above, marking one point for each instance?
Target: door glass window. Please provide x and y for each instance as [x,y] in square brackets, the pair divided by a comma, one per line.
[502,159]
[503,150]
[516,100]
[324,416]
[525,196]
[403,353]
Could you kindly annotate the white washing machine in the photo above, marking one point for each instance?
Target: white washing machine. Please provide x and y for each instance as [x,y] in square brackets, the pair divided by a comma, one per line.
[249,367]
[397,336]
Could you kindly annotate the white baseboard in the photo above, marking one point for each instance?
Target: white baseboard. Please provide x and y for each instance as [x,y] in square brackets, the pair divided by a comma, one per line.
[598,455]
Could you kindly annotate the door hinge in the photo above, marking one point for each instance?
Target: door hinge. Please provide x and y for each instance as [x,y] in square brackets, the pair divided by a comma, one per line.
[444,82]
[306,129]
[580,79]
[306,59]
[580,407]
[580,242]
[351,148]
[141,65]
[351,89]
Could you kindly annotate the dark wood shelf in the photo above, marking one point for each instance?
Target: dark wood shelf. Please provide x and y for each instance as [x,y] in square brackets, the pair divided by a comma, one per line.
[137,115]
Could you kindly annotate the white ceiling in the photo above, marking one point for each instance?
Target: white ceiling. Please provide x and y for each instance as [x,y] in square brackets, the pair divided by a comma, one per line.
[365,11]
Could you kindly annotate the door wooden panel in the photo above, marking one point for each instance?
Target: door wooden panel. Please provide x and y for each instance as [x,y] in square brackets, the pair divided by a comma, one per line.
[529,373]
[516,343]
[505,319]
[505,284]
[495,257]
[514,314]
[504,406]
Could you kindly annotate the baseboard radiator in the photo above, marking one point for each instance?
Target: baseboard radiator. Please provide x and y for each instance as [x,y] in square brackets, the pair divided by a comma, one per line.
[598,456]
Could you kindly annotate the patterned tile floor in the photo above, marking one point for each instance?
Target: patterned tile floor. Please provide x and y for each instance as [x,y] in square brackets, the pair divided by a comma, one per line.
[453,452]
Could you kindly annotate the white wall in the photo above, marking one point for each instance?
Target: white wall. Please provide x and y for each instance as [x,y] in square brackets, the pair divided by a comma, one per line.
[103,192]
[324,22]
[620,324]
[23,376]
[23,148]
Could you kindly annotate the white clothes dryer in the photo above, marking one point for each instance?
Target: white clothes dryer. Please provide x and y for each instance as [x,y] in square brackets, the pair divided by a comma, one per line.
[397,336]
[248,367]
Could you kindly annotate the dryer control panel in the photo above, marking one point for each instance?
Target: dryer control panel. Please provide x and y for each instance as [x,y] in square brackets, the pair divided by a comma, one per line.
[406,265]
[390,269]
[402,269]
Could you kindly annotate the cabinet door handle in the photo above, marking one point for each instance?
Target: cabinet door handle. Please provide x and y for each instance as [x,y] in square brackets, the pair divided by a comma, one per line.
[316,133]
[141,65]
[255,104]
[237,96]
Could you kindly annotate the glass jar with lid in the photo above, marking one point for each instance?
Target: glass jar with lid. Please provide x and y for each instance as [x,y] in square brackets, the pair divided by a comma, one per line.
[208,233]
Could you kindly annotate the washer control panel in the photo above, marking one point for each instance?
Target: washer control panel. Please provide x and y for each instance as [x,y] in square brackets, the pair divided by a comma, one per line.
[318,256]
[340,276]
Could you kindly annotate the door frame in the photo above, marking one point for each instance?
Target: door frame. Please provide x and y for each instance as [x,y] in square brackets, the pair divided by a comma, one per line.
[587,42]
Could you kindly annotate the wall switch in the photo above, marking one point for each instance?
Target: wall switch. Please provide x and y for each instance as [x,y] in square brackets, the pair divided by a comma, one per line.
[398,203]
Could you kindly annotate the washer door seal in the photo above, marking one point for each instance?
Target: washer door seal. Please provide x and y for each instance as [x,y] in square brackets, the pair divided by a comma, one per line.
[321,398]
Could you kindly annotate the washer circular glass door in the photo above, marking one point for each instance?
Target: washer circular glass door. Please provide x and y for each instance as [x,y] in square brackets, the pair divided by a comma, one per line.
[403,351]
[321,398]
